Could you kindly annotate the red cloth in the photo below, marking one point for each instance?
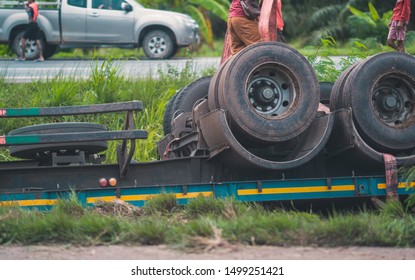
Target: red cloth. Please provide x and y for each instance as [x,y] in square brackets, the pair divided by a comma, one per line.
[280,20]
[35,8]
[402,10]
[235,10]
[391,172]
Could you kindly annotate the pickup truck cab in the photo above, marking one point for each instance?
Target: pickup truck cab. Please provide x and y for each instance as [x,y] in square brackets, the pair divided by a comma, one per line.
[98,23]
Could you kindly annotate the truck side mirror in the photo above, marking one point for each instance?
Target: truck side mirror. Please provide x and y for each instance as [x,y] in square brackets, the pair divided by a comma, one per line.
[126,7]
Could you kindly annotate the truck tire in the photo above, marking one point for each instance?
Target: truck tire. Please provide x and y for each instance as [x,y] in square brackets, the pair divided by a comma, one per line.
[32,51]
[185,99]
[213,99]
[42,151]
[159,44]
[381,93]
[168,114]
[338,87]
[270,91]
[325,92]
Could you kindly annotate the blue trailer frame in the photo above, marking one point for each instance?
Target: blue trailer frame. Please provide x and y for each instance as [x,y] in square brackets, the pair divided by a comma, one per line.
[249,191]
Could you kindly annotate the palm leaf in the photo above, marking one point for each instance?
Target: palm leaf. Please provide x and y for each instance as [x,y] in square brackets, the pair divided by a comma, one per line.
[323,16]
[367,18]
[373,12]
[205,31]
[214,6]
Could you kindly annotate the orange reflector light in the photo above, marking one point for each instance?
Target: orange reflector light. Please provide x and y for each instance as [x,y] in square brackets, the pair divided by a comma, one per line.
[103,182]
[112,182]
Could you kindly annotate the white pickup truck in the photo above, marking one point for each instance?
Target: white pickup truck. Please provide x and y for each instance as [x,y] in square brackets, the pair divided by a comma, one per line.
[89,23]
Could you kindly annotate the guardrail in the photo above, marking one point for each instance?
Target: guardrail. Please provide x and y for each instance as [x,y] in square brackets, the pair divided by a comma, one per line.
[17,4]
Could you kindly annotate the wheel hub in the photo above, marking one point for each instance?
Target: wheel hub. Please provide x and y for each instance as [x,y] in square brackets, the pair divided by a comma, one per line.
[31,49]
[269,94]
[157,45]
[393,102]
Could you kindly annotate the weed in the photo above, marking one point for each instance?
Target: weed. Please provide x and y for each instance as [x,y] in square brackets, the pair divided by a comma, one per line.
[161,204]
[206,206]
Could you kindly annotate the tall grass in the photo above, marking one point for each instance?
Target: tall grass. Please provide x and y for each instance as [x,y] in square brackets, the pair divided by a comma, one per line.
[104,85]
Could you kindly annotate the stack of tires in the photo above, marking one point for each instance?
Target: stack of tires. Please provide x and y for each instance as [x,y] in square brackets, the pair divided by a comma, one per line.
[375,101]
[263,110]
[263,107]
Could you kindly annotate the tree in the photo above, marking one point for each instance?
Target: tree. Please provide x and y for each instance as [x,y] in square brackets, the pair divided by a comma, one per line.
[368,24]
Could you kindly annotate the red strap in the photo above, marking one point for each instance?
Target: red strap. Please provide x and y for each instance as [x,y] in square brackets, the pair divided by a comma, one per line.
[391,172]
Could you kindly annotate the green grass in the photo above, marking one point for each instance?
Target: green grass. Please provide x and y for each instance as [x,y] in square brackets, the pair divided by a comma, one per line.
[200,224]
[103,86]
[354,47]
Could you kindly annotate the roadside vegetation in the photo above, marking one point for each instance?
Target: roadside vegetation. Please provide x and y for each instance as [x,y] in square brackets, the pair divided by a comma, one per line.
[202,224]
[308,22]
[206,223]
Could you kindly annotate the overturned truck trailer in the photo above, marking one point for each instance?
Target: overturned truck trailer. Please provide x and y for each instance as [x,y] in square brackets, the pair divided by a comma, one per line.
[261,111]
[255,130]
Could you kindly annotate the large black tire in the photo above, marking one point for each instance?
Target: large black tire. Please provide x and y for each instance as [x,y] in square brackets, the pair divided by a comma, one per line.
[185,99]
[168,114]
[32,51]
[42,151]
[270,91]
[159,44]
[337,91]
[325,92]
[381,93]
[213,98]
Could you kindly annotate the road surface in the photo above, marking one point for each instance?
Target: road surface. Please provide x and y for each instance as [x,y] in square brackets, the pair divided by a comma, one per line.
[27,71]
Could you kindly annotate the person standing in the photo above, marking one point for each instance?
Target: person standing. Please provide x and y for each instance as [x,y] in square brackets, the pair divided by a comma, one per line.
[242,31]
[398,24]
[280,23]
[32,30]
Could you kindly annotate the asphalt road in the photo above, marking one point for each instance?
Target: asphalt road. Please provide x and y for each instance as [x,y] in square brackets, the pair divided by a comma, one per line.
[27,71]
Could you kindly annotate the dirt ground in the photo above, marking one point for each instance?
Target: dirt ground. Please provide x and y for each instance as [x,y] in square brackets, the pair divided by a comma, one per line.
[228,253]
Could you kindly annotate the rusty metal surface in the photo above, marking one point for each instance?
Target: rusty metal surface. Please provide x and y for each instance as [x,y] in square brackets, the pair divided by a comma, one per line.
[222,142]
[347,143]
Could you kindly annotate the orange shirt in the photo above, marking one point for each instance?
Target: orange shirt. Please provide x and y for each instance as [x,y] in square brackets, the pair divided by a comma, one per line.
[280,20]
[35,9]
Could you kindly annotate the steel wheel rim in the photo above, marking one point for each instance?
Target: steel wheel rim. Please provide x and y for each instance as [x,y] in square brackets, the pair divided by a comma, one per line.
[271,91]
[31,48]
[393,100]
[157,45]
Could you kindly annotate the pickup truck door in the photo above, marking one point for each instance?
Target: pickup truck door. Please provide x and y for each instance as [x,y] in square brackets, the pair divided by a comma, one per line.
[73,21]
[108,23]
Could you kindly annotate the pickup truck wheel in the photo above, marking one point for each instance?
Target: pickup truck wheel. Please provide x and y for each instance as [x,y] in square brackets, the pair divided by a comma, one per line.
[32,51]
[44,151]
[159,44]
[185,99]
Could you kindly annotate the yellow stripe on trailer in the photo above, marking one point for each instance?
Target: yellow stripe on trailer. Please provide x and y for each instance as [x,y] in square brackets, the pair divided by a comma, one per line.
[144,197]
[400,185]
[29,202]
[297,190]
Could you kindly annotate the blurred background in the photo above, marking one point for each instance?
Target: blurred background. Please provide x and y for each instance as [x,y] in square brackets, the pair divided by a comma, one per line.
[339,24]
